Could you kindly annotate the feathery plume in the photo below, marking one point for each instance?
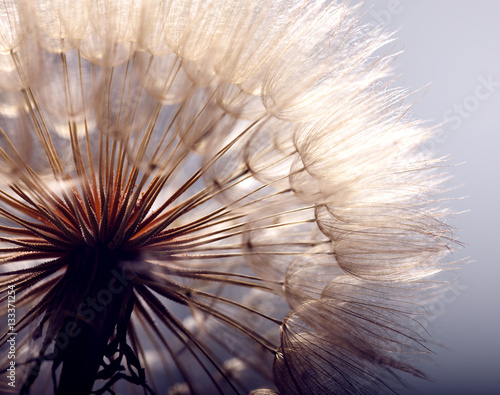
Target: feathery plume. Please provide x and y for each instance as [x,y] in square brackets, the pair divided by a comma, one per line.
[209,197]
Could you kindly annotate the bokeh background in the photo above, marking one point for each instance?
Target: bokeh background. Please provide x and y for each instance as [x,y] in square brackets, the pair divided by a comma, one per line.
[454,45]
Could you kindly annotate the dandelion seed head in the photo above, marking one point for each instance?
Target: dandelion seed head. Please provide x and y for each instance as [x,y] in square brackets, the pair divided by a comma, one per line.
[211,197]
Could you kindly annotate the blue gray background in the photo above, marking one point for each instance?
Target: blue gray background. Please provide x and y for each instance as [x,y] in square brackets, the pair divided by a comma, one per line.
[454,45]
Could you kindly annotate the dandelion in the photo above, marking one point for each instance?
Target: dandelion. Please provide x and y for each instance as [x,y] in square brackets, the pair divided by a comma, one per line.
[209,197]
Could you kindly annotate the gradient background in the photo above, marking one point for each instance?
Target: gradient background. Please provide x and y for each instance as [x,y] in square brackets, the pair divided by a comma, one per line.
[454,45]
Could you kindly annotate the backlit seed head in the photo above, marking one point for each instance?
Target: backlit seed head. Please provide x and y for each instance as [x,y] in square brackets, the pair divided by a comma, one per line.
[210,196]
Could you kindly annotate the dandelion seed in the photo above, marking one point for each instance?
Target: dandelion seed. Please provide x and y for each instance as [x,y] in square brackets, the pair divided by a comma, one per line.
[209,197]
